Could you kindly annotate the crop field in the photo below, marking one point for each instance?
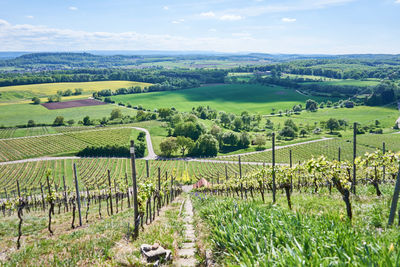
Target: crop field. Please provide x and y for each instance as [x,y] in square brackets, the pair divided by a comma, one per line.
[47,89]
[21,148]
[92,172]
[73,104]
[22,113]
[230,98]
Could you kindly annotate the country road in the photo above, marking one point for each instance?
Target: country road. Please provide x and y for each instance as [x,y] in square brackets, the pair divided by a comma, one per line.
[150,150]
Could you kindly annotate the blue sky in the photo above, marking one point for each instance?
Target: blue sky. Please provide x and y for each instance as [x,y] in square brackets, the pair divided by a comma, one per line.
[269,26]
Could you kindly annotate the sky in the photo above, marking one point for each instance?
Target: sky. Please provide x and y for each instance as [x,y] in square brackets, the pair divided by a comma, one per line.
[266,26]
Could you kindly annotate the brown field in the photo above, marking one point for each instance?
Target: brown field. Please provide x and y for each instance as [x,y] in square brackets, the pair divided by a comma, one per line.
[73,104]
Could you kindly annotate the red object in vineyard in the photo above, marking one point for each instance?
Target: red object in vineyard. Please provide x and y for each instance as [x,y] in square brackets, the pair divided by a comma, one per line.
[202,182]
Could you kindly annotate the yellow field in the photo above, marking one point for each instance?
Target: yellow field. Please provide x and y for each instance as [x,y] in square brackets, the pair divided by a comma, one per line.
[47,89]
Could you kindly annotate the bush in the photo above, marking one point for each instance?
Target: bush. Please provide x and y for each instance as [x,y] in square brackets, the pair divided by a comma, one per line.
[112,151]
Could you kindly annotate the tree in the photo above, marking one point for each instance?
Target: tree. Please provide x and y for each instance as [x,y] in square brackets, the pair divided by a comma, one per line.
[116,114]
[36,100]
[237,124]
[206,145]
[184,143]
[141,136]
[303,132]
[59,120]
[244,140]
[31,123]
[291,124]
[86,121]
[332,124]
[168,146]
[287,132]
[296,109]
[71,122]
[215,130]
[311,105]
[189,129]
[164,112]
[260,141]
[230,138]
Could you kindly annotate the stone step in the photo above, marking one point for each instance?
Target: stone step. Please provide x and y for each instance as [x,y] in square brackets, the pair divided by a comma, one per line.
[186,262]
[188,245]
[186,252]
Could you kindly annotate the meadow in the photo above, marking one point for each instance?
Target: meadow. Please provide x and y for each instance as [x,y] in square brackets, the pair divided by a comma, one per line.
[27,91]
[361,114]
[234,98]
[18,114]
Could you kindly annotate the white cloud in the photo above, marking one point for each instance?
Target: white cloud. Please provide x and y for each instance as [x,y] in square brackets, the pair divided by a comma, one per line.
[303,5]
[241,34]
[289,20]
[209,14]
[165,8]
[212,30]
[73,8]
[397,2]
[231,17]
[27,37]
[29,17]
[177,21]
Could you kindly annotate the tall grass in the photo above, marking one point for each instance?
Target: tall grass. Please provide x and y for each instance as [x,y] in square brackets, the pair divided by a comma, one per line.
[253,234]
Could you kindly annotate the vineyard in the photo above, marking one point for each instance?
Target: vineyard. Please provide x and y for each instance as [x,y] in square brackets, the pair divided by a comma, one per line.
[93,171]
[329,148]
[332,211]
[67,142]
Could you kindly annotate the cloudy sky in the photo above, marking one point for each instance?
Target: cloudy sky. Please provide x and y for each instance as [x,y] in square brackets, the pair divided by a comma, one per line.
[270,26]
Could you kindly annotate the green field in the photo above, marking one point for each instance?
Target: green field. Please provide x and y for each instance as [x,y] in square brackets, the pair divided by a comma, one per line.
[27,91]
[18,114]
[230,98]
[348,82]
[362,114]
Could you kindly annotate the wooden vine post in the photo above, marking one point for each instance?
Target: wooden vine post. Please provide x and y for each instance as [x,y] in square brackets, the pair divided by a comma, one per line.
[383,167]
[147,169]
[20,209]
[395,199]
[127,191]
[110,191]
[291,165]
[135,200]
[78,197]
[240,177]
[354,157]
[273,169]
[65,194]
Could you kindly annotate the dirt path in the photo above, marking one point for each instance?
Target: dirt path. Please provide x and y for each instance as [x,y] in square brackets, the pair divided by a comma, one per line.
[187,252]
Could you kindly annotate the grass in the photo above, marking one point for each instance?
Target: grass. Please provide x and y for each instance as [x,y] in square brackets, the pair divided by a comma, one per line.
[21,113]
[362,114]
[230,98]
[46,89]
[250,233]
[349,82]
